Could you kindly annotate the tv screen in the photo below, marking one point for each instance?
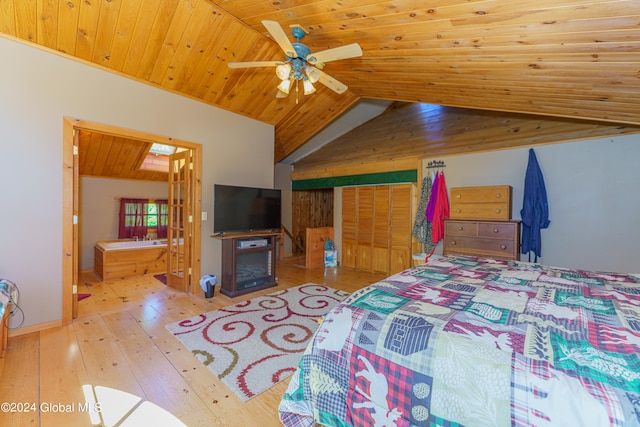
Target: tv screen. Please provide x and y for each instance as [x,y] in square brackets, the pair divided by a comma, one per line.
[245,208]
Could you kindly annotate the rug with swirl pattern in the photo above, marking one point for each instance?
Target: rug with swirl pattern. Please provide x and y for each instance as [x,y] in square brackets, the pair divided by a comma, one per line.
[255,344]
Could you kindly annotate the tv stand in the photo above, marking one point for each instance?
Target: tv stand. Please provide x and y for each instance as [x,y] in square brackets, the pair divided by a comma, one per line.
[248,263]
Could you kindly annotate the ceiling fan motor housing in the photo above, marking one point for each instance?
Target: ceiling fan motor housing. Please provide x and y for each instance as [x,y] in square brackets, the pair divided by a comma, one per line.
[297,63]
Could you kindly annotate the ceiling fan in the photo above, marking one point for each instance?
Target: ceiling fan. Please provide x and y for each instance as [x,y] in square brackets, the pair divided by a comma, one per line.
[300,65]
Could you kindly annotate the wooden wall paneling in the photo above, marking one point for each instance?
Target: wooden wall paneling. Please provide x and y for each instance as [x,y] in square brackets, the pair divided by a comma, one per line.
[311,209]
[365,206]
[381,229]
[299,220]
[401,226]
[349,239]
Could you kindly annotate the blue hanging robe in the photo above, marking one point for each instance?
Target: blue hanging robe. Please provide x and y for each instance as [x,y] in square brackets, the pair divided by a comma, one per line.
[535,208]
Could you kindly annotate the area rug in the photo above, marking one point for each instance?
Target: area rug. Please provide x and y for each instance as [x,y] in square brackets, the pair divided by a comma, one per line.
[255,344]
[161,277]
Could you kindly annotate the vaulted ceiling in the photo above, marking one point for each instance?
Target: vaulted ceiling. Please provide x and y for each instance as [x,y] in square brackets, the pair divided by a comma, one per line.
[578,59]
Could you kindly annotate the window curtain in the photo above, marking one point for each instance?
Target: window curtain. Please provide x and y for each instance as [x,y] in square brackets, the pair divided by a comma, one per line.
[163,218]
[133,214]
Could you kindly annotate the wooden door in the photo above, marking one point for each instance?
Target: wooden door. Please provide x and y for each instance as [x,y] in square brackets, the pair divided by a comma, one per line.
[75,226]
[377,226]
[349,242]
[401,227]
[364,228]
[381,229]
[180,229]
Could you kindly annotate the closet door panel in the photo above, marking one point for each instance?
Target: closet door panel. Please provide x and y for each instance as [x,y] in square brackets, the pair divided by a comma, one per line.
[381,225]
[349,223]
[365,206]
[401,227]
[349,251]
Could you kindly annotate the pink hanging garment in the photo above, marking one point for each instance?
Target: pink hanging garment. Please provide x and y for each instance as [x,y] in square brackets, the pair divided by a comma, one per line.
[432,199]
[441,210]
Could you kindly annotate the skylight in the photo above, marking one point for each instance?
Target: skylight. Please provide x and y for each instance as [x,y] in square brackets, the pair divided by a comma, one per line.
[162,149]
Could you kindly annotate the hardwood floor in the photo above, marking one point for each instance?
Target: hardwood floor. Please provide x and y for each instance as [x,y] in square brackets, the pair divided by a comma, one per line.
[119,345]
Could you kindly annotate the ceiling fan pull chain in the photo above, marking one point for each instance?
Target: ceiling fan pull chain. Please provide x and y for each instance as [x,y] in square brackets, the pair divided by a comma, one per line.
[297,86]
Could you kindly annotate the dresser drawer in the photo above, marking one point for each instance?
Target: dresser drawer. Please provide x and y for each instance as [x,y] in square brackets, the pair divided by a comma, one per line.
[499,248]
[461,228]
[488,202]
[498,230]
[498,211]
[495,239]
[486,194]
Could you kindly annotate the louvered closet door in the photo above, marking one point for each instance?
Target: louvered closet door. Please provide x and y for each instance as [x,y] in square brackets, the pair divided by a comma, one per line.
[364,236]
[381,227]
[401,227]
[349,242]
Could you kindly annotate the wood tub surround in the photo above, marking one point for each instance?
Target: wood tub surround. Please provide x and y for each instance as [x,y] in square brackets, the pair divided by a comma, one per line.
[110,264]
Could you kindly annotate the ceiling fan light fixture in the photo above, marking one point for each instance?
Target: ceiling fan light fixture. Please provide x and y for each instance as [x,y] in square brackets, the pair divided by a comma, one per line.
[308,87]
[283,71]
[312,73]
[285,86]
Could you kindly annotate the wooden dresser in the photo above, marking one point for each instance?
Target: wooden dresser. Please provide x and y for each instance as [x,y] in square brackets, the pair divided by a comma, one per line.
[481,224]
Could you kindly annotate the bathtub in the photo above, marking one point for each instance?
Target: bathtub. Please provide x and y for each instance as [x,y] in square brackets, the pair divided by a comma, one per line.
[115,259]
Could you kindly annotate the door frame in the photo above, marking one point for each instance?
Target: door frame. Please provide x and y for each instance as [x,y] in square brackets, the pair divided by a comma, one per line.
[70,196]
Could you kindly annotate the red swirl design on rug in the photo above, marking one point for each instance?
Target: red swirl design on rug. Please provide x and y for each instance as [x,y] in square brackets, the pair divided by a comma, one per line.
[257,343]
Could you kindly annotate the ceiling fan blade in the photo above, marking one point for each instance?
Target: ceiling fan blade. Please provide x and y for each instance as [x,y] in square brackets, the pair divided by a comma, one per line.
[342,52]
[332,83]
[280,37]
[254,64]
[281,94]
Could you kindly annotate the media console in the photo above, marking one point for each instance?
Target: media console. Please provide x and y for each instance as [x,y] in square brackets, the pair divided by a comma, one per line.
[248,263]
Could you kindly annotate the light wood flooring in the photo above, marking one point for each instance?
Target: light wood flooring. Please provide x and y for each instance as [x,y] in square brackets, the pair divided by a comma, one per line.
[119,341]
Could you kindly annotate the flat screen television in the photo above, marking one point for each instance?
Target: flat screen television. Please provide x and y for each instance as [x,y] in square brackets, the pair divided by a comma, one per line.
[245,209]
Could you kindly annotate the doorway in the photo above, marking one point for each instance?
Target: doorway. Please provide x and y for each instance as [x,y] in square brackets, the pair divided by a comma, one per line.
[70,229]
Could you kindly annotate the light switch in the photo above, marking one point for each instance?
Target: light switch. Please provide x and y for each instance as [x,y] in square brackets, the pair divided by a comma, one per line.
[204,216]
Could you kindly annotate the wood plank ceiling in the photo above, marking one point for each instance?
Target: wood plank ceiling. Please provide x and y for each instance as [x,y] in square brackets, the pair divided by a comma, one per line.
[567,58]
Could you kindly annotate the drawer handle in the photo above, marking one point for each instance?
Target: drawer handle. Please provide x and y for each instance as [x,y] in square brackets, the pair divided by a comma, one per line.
[498,210]
[458,210]
[458,196]
[495,230]
[460,228]
[453,243]
[498,195]
[503,247]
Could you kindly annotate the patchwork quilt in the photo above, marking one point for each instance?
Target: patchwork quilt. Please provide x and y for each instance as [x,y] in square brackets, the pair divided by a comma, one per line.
[476,342]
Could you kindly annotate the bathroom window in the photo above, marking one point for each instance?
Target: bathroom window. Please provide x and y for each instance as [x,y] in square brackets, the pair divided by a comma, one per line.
[152,215]
[142,217]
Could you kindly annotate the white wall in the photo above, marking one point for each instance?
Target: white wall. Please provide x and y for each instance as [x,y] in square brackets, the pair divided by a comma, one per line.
[100,206]
[37,90]
[592,189]
[282,181]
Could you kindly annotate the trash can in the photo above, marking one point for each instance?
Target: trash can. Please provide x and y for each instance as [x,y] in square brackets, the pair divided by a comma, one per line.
[330,254]
[331,258]
[207,284]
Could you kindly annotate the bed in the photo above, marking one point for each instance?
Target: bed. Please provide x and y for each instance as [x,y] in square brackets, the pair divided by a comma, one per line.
[471,341]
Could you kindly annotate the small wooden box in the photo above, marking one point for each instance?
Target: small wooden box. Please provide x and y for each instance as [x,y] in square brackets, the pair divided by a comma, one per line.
[488,203]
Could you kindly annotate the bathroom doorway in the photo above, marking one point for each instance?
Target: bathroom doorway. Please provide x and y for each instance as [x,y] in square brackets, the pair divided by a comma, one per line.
[70,229]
